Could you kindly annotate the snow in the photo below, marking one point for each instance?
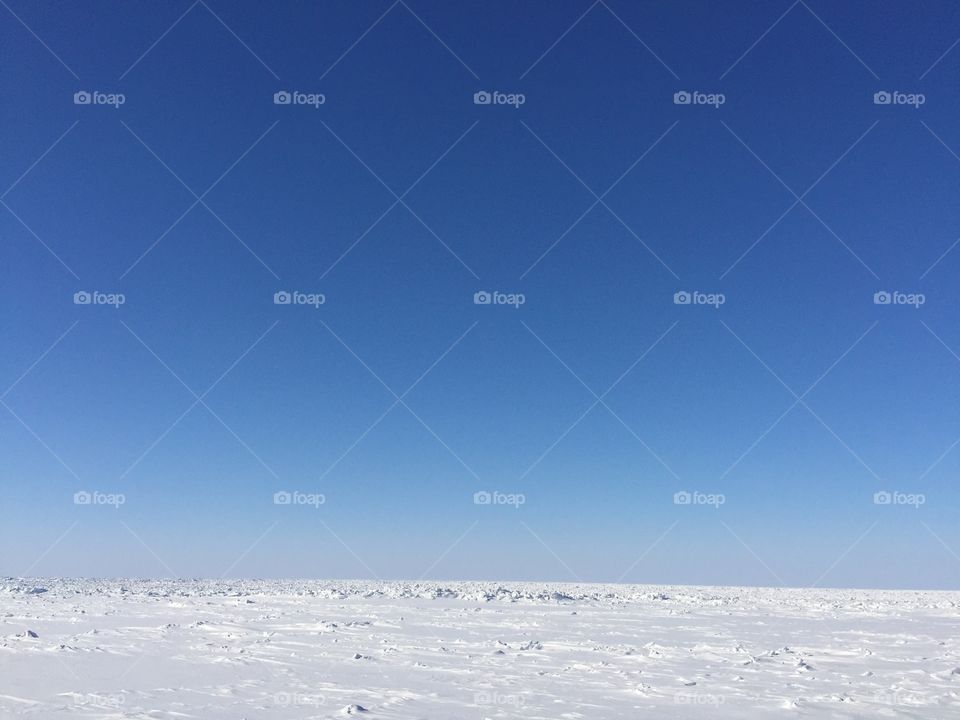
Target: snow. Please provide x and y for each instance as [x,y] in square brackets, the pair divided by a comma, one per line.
[292,650]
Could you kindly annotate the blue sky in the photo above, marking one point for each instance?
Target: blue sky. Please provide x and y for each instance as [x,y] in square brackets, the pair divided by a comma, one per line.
[398,198]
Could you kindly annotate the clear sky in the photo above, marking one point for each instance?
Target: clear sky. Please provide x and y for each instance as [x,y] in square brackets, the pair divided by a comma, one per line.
[783,189]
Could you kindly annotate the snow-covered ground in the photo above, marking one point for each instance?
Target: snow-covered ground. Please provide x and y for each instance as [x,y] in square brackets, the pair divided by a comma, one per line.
[299,649]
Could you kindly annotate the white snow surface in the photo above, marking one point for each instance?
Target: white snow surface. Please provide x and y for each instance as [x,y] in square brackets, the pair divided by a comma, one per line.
[291,649]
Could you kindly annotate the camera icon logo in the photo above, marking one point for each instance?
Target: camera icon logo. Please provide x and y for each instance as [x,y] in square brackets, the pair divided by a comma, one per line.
[682,498]
[482,98]
[682,98]
[882,498]
[82,97]
[482,297]
[282,297]
[282,98]
[82,498]
[682,298]
[882,98]
[282,497]
[882,298]
[482,497]
[82,297]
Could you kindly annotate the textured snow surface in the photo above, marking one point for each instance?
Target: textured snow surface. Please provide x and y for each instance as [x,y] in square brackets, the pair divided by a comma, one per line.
[332,649]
